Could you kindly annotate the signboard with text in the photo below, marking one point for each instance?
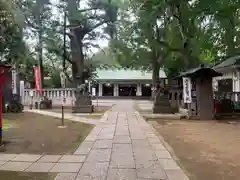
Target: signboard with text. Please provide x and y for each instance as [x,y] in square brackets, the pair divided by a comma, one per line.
[14,81]
[187,97]
[94,91]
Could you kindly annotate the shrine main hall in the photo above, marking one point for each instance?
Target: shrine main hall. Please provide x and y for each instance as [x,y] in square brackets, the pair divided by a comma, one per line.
[125,82]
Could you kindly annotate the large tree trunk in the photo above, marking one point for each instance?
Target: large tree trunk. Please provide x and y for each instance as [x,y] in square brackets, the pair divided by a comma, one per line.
[155,76]
[76,45]
[40,43]
[77,61]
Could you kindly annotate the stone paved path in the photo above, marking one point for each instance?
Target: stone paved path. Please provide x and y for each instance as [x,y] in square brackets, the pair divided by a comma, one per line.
[122,147]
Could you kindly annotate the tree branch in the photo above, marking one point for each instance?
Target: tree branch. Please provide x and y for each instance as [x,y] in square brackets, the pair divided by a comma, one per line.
[88,30]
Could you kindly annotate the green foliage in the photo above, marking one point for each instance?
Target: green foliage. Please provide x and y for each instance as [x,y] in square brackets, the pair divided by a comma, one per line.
[179,34]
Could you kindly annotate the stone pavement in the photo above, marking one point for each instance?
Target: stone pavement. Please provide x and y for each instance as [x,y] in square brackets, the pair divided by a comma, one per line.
[122,147]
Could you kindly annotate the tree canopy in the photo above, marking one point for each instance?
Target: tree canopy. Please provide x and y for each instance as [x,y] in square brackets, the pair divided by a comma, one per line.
[172,34]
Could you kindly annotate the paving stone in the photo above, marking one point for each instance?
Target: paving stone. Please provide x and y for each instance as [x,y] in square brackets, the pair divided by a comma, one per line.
[103,144]
[40,167]
[122,140]
[176,175]
[122,174]
[158,147]
[148,153]
[93,171]
[138,143]
[106,136]
[65,176]
[84,148]
[7,157]
[2,162]
[154,140]
[50,158]
[169,164]
[163,154]
[138,136]
[73,158]
[99,155]
[66,167]
[91,138]
[122,156]
[153,171]
[122,130]
[15,166]
[26,158]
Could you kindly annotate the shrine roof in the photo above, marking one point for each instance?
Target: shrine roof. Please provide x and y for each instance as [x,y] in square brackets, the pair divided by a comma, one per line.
[230,62]
[126,74]
[200,72]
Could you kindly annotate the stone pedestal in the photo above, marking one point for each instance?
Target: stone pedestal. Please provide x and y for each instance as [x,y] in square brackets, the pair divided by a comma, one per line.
[162,105]
[83,103]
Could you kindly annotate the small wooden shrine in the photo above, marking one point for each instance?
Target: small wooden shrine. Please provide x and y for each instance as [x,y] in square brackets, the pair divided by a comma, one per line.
[201,102]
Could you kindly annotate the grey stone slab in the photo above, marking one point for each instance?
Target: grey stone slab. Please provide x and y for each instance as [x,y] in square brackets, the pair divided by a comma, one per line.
[169,164]
[154,140]
[91,138]
[15,166]
[26,158]
[84,148]
[122,140]
[99,155]
[144,154]
[93,171]
[66,167]
[7,157]
[2,162]
[139,143]
[122,174]
[103,144]
[122,156]
[73,158]
[153,171]
[122,130]
[40,167]
[138,136]
[176,175]
[50,158]
[151,135]
[65,176]
[163,154]
[106,136]
[122,133]
[158,147]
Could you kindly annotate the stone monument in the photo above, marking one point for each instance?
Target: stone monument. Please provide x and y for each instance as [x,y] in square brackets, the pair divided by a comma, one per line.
[83,101]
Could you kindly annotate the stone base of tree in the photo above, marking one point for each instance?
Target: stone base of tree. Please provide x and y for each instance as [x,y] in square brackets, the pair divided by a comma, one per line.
[44,104]
[164,110]
[162,105]
[83,103]
[83,109]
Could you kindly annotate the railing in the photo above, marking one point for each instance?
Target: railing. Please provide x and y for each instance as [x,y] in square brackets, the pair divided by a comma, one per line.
[55,95]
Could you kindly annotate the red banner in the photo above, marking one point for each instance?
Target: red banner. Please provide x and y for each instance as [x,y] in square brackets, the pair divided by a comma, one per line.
[37,80]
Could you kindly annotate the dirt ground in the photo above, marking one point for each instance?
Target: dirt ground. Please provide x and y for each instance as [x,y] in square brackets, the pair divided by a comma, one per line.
[10,175]
[38,134]
[208,150]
